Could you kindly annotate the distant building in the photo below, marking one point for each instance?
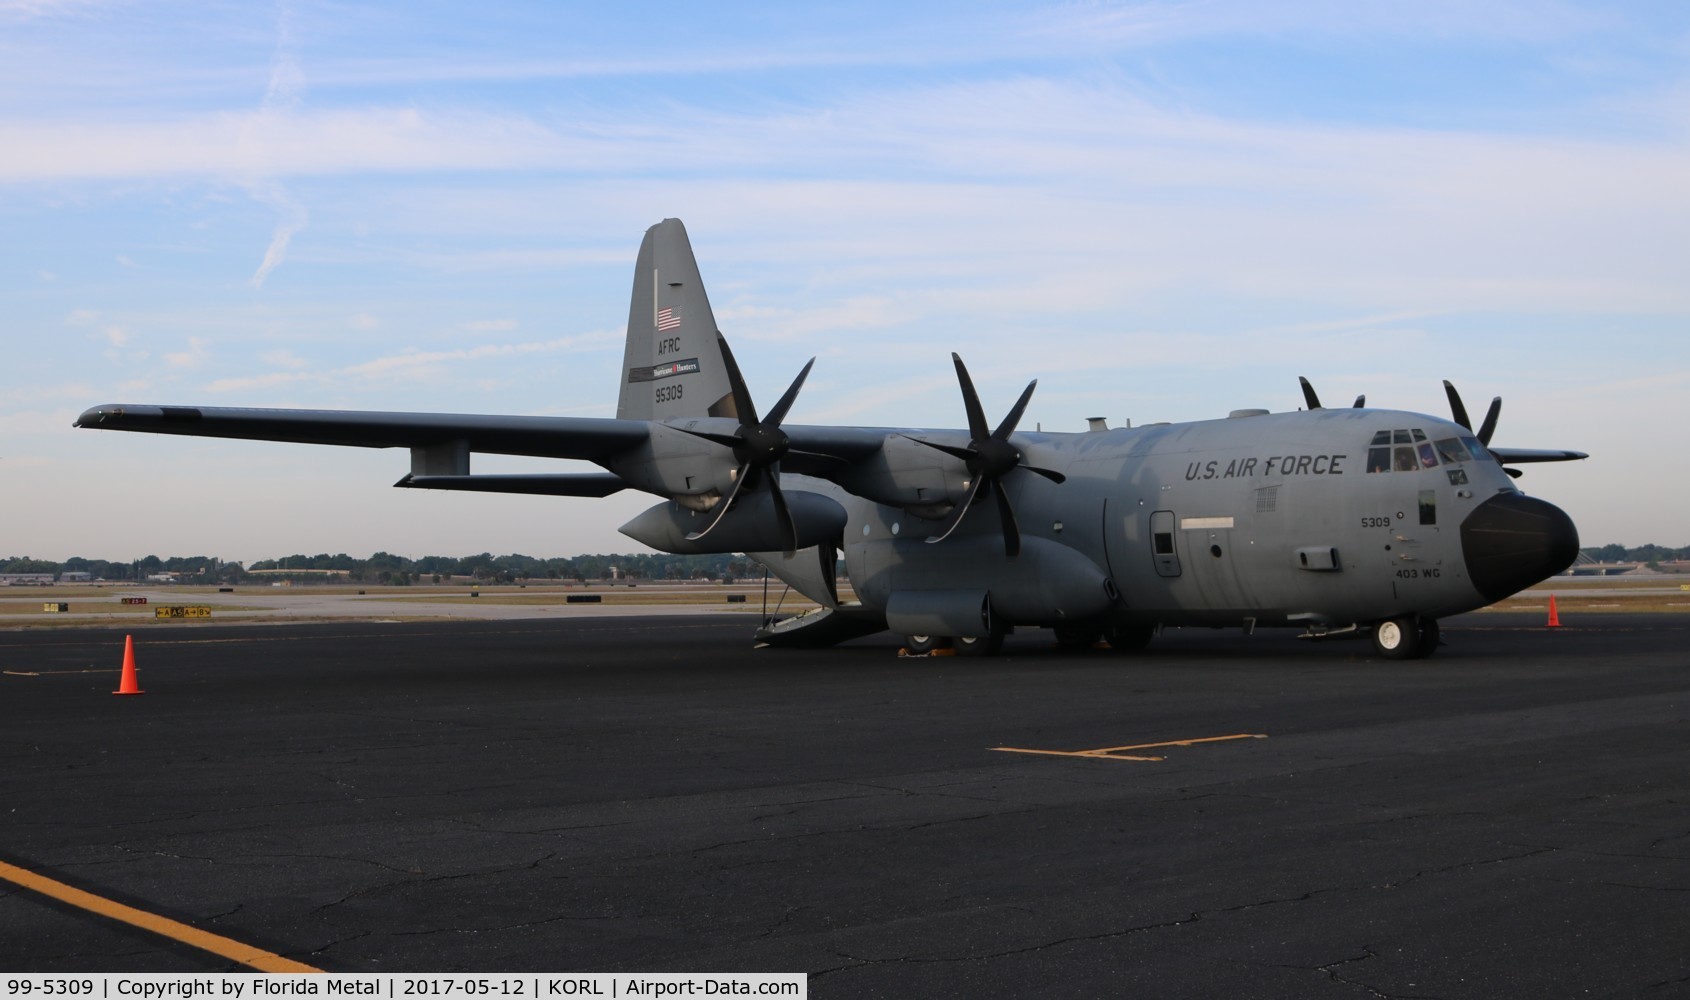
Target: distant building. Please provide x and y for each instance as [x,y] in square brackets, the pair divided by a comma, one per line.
[26,579]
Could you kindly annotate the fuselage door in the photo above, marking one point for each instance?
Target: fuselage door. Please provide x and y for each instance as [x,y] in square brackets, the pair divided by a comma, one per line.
[1162,548]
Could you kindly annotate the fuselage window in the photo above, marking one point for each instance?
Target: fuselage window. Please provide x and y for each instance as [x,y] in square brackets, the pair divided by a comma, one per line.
[1419,435]
[1404,460]
[1379,459]
[1477,450]
[1428,458]
[1381,437]
[1164,543]
[1401,437]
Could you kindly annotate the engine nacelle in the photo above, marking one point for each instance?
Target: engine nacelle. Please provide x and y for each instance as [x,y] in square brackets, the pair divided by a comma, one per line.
[673,463]
[910,476]
[749,527]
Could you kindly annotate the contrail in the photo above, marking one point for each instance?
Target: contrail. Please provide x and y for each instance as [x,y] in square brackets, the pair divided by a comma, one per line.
[283,93]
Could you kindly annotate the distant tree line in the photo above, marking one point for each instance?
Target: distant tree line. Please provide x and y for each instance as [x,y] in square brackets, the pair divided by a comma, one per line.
[1640,554]
[387,568]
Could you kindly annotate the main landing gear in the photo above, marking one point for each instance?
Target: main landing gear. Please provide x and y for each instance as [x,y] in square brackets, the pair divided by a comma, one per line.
[962,645]
[1406,637]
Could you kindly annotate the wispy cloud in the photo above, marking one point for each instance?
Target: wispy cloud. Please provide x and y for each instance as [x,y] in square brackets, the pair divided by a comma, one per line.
[193,356]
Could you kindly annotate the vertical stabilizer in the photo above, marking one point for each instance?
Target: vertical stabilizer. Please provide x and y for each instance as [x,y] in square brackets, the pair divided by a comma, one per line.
[672,365]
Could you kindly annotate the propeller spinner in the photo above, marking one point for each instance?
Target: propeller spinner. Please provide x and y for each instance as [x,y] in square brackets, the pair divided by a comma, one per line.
[989,457]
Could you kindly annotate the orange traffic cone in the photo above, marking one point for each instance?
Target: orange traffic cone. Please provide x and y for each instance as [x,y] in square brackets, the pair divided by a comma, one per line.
[128,685]
[1554,619]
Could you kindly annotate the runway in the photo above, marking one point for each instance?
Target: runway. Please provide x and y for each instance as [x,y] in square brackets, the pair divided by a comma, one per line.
[1507,819]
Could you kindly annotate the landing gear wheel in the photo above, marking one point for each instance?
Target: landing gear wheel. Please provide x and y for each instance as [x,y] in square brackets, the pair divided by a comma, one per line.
[1127,638]
[1076,636]
[1398,638]
[978,645]
[925,643]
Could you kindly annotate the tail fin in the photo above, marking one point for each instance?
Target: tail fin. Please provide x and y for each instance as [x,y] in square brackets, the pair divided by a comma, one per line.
[672,363]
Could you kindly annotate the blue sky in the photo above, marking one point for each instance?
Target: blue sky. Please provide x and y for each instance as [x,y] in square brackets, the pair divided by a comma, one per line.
[1163,211]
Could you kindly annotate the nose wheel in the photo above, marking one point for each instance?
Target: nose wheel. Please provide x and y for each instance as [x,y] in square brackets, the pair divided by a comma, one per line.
[1406,637]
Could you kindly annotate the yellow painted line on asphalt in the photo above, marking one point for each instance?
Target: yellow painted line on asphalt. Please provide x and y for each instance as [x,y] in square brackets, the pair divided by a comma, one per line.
[1118,753]
[229,948]
[1076,753]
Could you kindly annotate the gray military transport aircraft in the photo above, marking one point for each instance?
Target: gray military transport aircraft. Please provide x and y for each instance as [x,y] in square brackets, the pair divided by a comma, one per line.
[1348,521]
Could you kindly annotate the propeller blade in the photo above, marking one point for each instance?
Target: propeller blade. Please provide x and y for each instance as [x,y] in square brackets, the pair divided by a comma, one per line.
[726,502]
[1458,411]
[1361,401]
[957,514]
[778,414]
[952,450]
[1006,514]
[830,569]
[783,517]
[745,409]
[1050,474]
[1488,428]
[730,440]
[1007,428]
[970,400]
[1308,393]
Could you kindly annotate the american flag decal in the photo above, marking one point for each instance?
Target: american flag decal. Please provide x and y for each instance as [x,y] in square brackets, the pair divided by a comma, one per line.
[668,319]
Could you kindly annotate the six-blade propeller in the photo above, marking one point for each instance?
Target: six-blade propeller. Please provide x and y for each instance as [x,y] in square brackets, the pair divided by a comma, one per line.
[989,457]
[758,446]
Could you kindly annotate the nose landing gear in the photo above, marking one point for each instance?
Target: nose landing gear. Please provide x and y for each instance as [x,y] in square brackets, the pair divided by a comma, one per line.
[1407,637]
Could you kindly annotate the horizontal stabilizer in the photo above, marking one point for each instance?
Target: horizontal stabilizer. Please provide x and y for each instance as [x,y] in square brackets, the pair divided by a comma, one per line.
[580,484]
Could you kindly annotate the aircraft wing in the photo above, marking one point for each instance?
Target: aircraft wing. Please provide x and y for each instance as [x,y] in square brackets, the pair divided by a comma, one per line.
[1517,456]
[823,451]
[547,437]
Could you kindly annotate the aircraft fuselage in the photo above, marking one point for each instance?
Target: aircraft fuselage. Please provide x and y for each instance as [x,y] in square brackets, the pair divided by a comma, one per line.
[1269,519]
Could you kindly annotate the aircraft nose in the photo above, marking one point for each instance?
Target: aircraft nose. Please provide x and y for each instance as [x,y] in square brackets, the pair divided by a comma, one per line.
[1512,541]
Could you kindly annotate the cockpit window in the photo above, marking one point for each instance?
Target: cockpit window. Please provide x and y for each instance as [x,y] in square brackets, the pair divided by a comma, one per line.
[1478,450]
[1408,449]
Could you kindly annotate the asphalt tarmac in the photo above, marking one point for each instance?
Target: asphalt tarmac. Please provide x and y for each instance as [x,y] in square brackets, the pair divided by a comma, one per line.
[1508,819]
